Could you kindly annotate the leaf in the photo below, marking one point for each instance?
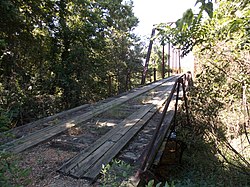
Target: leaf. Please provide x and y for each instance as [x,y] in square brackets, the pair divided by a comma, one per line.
[200,1]
[209,9]
[158,185]
[150,183]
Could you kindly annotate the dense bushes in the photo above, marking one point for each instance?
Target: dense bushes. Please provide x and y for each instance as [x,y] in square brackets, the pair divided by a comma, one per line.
[55,55]
[220,99]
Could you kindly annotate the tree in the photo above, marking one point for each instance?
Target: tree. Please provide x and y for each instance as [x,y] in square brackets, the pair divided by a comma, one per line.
[220,98]
[59,54]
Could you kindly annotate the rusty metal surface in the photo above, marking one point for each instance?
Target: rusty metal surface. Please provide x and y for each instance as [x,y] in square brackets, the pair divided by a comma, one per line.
[185,80]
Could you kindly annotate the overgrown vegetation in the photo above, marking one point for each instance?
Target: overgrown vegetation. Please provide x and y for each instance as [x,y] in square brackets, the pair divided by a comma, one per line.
[218,140]
[152,183]
[203,161]
[5,120]
[11,175]
[58,54]
[116,174]
[55,55]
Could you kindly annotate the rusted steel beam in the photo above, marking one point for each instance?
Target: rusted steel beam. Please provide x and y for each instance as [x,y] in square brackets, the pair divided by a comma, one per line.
[160,132]
[144,73]
[163,60]
[185,98]
[169,69]
[147,154]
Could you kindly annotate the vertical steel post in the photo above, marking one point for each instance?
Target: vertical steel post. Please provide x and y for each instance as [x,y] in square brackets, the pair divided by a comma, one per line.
[163,62]
[176,102]
[154,71]
[144,73]
[179,55]
[185,100]
[154,74]
[169,59]
[173,64]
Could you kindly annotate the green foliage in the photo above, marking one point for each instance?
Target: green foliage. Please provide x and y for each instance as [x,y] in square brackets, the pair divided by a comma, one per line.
[228,22]
[156,58]
[11,175]
[219,137]
[115,173]
[5,120]
[206,6]
[151,183]
[55,55]
[202,164]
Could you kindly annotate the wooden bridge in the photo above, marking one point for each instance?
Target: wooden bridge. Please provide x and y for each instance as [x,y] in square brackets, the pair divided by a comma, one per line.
[118,120]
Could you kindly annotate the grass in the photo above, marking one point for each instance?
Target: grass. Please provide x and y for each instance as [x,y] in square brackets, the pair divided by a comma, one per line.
[11,175]
[203,164]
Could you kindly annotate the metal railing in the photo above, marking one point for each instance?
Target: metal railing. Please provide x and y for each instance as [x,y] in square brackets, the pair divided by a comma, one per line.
[160,133]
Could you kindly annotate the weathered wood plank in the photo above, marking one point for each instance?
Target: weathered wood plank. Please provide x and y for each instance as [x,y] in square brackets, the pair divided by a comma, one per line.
[85,153]
[85,166]
[121,138]
[91,159]
[69,165]
[44,134]
[45,119]
[94,171]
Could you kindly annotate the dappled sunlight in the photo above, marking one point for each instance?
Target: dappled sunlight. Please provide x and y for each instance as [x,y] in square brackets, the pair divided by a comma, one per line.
[70,124]
[241,145]
[106,124]
[131,124]
[124,97]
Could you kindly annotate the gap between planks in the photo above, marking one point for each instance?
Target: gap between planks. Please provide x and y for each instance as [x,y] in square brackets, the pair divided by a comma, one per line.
[88,163]
[42,135]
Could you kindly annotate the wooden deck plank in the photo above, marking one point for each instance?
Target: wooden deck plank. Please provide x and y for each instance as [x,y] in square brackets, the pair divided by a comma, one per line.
[120,137]
[85,166]
[94,171]
[70,164]
[112,133]
[85,153]
[42,135]
[91,159]
[45,119]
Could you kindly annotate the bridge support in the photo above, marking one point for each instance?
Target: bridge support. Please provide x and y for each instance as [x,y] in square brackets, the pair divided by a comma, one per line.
[144,73]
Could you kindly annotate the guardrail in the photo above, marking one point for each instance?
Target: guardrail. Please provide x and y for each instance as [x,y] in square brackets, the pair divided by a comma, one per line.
[161,131]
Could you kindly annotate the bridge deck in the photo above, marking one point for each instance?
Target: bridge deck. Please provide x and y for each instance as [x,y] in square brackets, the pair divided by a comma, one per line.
[88,163]
[49,132]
